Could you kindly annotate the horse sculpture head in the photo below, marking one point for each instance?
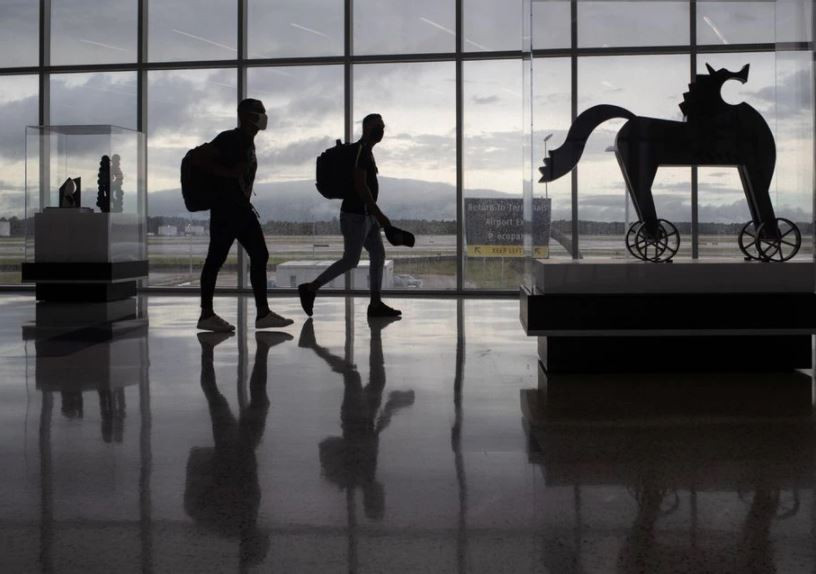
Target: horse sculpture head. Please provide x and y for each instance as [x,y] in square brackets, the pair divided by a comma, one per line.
[704,97]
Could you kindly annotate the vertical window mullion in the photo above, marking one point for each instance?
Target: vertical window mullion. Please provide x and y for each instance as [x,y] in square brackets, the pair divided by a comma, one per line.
[460,223]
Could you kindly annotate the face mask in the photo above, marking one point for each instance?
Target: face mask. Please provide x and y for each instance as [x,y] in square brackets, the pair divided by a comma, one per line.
[261,121]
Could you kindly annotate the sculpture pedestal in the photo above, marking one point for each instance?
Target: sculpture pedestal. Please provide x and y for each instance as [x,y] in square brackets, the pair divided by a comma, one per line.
[624,317]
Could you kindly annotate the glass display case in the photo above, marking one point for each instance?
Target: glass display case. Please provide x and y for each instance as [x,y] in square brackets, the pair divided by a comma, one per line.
[85,208]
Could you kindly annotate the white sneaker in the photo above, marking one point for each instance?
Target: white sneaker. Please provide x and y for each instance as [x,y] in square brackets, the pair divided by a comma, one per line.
[216,324]
[272,321]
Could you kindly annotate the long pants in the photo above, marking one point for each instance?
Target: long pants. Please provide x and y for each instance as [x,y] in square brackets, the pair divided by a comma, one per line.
[225,227]
[358,231]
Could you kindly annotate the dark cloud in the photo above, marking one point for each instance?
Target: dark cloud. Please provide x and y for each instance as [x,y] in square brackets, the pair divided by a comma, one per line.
[485,100]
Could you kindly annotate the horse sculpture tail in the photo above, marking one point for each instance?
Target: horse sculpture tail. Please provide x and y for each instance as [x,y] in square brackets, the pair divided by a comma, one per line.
[563,159]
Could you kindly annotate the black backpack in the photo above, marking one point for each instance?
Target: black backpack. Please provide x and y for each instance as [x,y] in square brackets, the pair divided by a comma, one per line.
[334,171]
[197,187]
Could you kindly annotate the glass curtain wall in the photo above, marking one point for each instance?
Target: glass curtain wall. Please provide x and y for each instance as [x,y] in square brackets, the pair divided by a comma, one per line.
[642,56]
[449,78]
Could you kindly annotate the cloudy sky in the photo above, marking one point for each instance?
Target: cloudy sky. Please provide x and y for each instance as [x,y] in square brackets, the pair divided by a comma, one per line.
[417,100]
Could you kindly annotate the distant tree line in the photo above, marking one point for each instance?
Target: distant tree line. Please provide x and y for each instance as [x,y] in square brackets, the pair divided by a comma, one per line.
[419,226]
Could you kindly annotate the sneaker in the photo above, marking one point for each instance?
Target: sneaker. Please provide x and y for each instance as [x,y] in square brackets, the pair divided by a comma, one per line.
[216,324]
[272,321]
[382,310]
[307,297]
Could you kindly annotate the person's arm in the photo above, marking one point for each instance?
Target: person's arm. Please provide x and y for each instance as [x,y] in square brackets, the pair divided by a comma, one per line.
[359,178]
[208,158]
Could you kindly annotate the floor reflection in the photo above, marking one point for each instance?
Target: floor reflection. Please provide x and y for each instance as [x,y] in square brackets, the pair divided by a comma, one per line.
[350,461]
[364,446]
[667,441]
[222,491]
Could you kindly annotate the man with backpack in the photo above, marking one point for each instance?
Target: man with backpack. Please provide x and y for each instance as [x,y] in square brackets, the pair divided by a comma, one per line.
[360,223]
[229,160]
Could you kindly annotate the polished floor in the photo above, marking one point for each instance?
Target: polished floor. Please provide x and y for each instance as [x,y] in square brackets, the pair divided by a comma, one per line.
[430,444]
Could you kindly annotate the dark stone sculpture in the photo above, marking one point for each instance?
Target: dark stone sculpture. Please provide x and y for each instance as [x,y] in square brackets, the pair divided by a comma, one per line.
[103,185]
[714,133]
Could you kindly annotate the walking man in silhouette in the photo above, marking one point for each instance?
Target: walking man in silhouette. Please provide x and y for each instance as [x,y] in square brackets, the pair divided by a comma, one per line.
[231,158]
[360,222]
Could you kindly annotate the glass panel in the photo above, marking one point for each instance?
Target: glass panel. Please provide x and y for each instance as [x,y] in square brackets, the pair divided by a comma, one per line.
[20,30]
[491,25]
[551,121]
[395,26]
[182,30]
[185,108]
[551,24]
[82,33]
[649,86]
[753,22]
[792,196]
[417,163]
[94,98]
[779,87]
[493,176]
[305,109]
[295,28]
[18,108]
[649,23]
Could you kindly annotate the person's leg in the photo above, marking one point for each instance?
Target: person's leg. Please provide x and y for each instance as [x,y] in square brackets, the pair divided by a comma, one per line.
[251,237]
[221,238]
[376,255]
[353,227]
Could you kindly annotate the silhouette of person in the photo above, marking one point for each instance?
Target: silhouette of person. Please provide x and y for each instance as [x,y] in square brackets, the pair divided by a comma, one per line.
[350,460]
[72,404]
[222,491]
[231,157]
[360,223]
[112,410]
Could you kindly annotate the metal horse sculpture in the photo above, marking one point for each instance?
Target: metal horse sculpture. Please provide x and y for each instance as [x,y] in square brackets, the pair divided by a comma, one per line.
[715,133]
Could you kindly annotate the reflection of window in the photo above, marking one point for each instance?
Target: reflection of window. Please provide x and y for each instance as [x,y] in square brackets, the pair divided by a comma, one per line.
[295,28]
[752,22]
[491,25]
[103,34]
[396,26]
[182,30]
[551,24]
[19,30]
[650,23]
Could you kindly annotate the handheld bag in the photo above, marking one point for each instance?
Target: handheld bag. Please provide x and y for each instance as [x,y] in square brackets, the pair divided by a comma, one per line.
[334,166]
[197,187]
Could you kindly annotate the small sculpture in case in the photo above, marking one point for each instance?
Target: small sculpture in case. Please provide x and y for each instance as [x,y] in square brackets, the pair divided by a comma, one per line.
[70,193]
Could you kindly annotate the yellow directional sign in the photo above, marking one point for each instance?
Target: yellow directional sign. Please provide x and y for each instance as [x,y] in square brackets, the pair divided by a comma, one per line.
[504,251]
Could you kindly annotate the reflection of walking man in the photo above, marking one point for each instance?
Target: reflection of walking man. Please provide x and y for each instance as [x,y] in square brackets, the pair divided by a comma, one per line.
[222,490]
[360,223]
[231,158]
[350,461]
